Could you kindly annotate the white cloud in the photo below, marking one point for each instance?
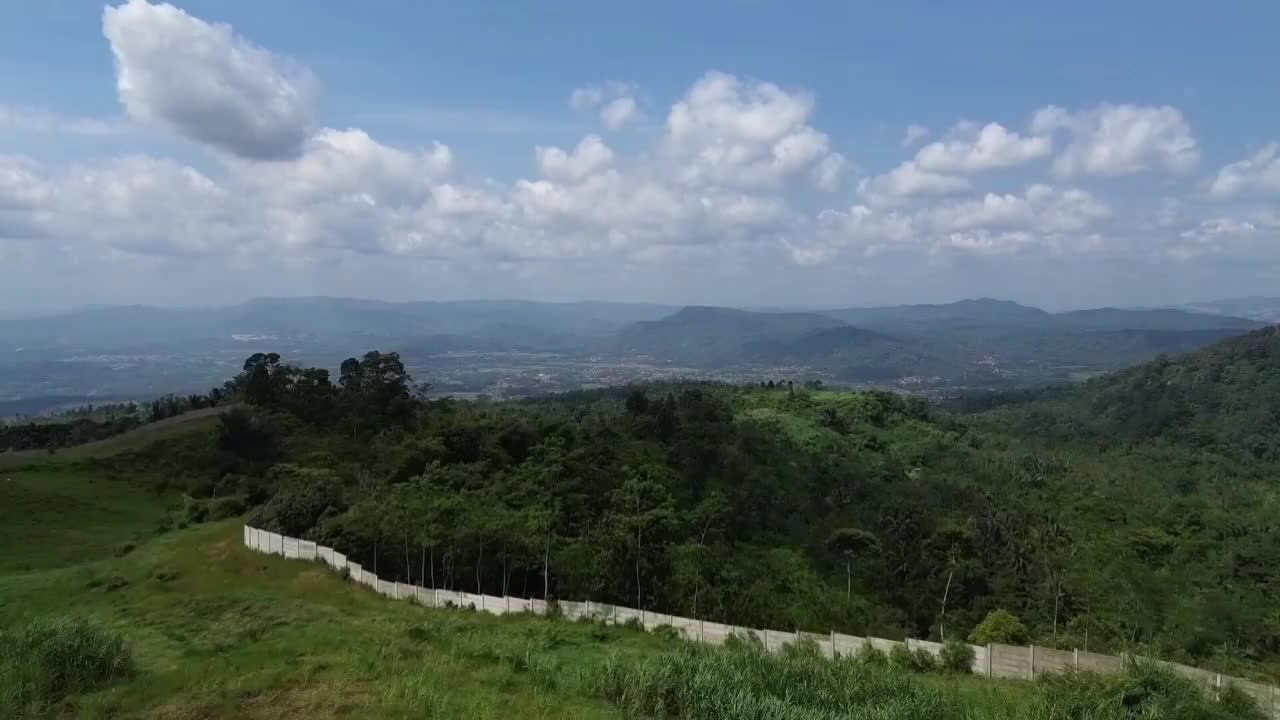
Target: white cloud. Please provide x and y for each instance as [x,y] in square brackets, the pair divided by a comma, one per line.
[588,158]
[1259,174]
[615,101]
[908,180]
[747,134]
[618,112]
[1121,140]
[915,133]
[970,150]
[1040,209]
[208,84]
[1213,235]
[826,176]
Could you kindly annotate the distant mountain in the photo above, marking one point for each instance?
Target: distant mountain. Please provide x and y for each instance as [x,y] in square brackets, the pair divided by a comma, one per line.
[703,334]
[1155,319]
[982,311]
[1264,309]
[322,320]
[1226,395]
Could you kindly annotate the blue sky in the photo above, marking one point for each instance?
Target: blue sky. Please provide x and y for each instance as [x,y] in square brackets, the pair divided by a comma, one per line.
[736,152]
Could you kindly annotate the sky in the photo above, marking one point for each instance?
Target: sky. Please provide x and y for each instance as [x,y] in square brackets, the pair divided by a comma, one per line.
[737,152]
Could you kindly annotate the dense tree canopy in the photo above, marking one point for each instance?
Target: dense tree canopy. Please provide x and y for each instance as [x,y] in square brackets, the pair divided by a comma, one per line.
[783,507]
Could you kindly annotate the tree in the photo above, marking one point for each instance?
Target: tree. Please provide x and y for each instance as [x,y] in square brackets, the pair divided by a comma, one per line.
[999,626]
[642,505]
[851,542]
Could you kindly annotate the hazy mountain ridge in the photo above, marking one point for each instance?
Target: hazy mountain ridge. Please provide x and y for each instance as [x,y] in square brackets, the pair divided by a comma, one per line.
[529,347]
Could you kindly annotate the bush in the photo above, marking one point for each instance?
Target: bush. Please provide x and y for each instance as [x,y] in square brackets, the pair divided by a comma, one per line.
[46,661]
[667,631]
[872,656]
[900,658]
[1143,690]
[924,661]
[956,656]
[999,626]
[805,647]
[744,642]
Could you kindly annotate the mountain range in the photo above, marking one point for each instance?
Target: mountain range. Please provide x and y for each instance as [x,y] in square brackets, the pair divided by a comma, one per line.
[972,344]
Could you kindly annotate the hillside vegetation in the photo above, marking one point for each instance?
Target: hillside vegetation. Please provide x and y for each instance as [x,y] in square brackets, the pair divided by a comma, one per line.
[1224,398]
[183,622]
[768,506]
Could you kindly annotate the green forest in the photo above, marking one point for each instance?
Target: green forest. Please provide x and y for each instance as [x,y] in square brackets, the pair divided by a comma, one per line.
[787,506]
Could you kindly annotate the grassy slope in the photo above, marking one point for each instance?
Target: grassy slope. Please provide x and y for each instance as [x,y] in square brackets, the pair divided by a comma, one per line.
[221,632]
[133,440]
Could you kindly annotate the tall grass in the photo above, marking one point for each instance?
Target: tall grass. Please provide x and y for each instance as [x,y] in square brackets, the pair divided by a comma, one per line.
[45,661]
[742,683]
[698,683]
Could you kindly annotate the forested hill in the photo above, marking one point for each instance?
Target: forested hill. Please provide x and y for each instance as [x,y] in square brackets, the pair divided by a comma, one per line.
[1226,396]
[778,505]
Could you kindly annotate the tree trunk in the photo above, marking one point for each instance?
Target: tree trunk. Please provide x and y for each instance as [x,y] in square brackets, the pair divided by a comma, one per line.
[408,567]
[546,565]
[422,572]
[480,572]
[848,578]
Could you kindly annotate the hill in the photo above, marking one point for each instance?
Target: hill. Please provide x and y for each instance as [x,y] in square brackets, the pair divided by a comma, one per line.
[205,628]
[1226,396]
[716,334]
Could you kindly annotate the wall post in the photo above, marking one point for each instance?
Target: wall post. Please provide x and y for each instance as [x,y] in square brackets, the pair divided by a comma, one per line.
[833,645]
[1031,666]
[988,659]
[1075,657]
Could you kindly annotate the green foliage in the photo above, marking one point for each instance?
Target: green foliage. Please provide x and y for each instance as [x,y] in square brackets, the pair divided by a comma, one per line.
[46,660]
[1144,690]
[956,656]
[999,626]
[868,654]
[744,642]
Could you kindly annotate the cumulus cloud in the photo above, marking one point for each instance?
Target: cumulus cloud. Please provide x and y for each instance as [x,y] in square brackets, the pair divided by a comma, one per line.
[618,112]
[614,100]
[1259,174]
[1040,209]
[907,180]
[728,182]
[972,150]
[588,158]
[743,133]
[1121,140]
[207,83]
[915,133]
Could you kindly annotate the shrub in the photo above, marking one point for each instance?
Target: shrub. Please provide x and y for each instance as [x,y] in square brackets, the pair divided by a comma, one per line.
[923,660]
[744,642]
[999,626]
[805,647]
[48,660]
[667,631]
[872,656]
[901,659]
[956,656]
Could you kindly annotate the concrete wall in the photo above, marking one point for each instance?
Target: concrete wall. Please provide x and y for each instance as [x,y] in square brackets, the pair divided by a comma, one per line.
[1002,661]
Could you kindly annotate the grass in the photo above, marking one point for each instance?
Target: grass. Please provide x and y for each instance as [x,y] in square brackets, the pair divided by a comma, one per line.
[56,515]
[43,662]
[136,439]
